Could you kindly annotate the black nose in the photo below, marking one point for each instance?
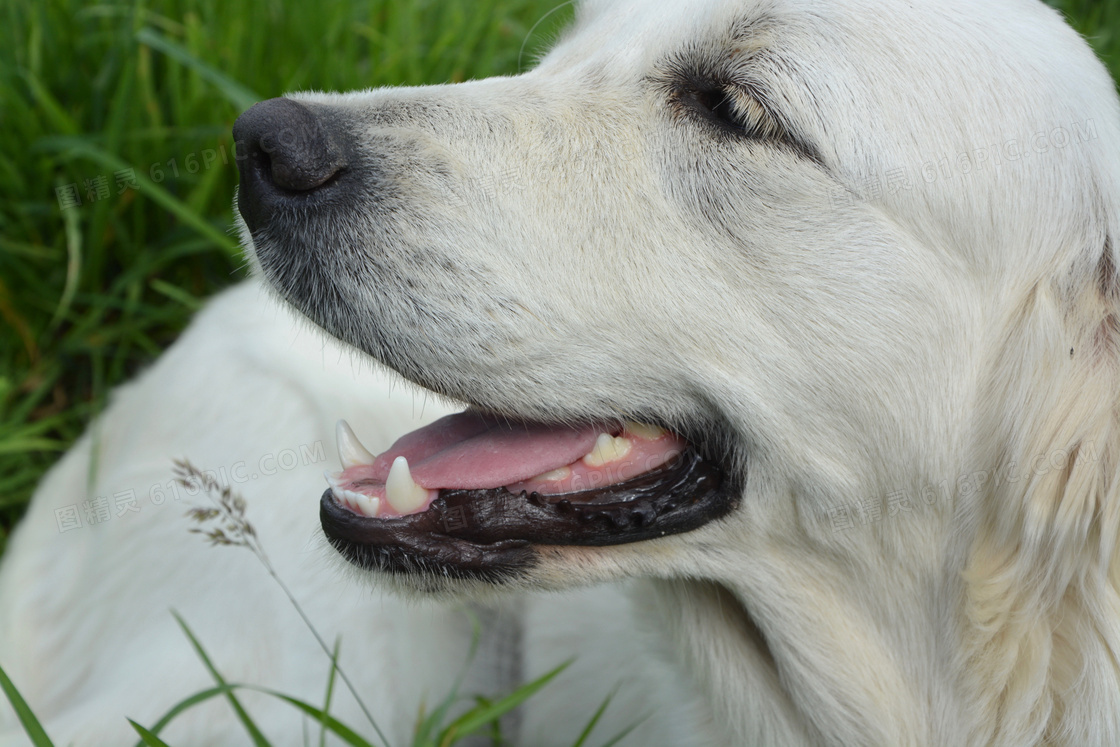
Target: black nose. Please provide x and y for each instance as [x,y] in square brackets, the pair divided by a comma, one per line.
[285,152]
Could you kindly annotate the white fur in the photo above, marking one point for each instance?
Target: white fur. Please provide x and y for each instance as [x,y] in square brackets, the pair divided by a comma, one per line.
[573,246]
[85,626]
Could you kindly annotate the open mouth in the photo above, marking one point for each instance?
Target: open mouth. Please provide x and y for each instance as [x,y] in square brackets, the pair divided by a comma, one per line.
[472,493]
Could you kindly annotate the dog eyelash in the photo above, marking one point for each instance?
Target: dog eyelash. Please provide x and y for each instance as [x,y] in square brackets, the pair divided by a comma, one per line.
[717,105]
[735,111]
[731,110]
[732,106]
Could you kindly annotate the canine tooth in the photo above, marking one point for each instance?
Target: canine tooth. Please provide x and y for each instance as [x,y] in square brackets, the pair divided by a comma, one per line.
[645,430]
[607,448]
[350,449]
[560,473]
[401,491]
[334,479]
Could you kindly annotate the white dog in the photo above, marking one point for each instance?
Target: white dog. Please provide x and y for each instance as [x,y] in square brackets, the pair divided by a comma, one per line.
[800,319]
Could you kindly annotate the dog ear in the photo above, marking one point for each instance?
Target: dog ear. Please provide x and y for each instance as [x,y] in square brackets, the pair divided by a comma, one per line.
[1042,580]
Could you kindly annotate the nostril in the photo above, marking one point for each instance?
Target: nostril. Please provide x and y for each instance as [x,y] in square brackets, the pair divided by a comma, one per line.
[283,145]
[299,168]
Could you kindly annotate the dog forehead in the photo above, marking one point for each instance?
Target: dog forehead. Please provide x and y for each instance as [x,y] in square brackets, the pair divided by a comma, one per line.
[831,64]
[882,90]
[843,68]
[627,38]
[637,33]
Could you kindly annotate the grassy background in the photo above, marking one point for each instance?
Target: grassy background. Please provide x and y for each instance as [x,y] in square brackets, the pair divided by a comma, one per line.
[130,104]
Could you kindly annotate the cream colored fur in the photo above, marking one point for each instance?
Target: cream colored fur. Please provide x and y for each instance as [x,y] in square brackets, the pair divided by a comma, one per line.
[902,321]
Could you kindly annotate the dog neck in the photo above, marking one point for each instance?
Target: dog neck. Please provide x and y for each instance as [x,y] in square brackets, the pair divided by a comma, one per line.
[780,673]
[980,642]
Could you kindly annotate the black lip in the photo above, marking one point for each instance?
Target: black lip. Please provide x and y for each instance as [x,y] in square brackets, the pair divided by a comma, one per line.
[490,534]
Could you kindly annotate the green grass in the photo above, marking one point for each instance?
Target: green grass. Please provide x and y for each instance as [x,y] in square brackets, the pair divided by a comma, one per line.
[445,726]
[90,294]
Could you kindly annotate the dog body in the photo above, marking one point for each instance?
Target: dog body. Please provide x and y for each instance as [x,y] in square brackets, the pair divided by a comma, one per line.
[859,255]
[263,423]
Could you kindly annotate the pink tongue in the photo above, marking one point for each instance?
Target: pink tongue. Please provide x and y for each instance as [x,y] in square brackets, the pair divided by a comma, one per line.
[472,451]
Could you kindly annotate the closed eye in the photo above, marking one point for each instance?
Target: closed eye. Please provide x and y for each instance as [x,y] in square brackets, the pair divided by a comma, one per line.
[730,109]
[716,105]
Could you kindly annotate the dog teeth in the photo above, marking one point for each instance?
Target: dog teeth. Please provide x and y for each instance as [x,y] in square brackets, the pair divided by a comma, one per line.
[350,449]
[401,491]
[560,473]
[645,430]
[607,448]
[369,505]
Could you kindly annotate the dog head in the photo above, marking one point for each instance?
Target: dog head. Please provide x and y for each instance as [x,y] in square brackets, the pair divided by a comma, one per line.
[840,273]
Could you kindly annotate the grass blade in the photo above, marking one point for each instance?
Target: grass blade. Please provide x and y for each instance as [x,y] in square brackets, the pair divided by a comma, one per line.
[73,265]
[49,106]
[175,293]
[476,718]
[254,732]
[428,724]
[30,724]
[624,733]
[24,445]
[594,720]
[234,529]
[185,704]
[147,737]
[237,94]
[148,188]
[330,692]
[344,732]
